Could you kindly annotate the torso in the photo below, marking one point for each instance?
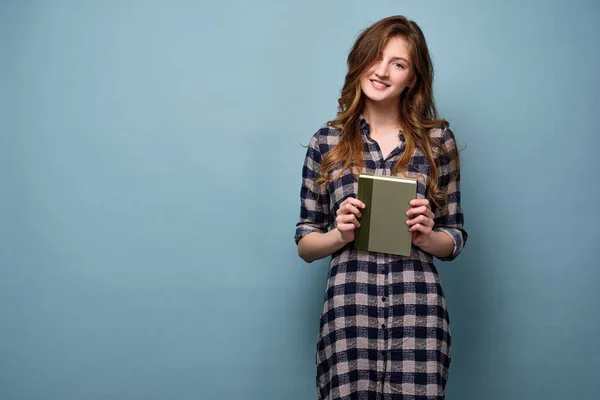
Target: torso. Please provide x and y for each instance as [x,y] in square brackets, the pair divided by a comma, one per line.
[383,313]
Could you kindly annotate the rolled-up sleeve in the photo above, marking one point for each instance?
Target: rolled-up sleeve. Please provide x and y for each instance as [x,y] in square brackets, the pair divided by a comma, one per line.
[314,199]
[450,219]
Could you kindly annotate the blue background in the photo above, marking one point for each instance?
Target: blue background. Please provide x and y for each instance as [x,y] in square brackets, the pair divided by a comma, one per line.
[150,160]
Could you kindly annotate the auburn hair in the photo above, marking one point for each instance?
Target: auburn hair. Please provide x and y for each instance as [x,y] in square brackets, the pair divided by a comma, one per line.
[417,113]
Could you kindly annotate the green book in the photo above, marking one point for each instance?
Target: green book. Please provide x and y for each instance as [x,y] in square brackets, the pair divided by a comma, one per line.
[383,226]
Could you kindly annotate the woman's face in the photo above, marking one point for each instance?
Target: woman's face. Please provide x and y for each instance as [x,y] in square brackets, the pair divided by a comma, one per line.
[393,72]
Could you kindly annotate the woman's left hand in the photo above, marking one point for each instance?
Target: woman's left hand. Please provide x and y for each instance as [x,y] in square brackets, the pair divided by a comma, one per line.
[420,221]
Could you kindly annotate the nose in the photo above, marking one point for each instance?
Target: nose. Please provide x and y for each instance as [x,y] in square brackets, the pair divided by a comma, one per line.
[381,69]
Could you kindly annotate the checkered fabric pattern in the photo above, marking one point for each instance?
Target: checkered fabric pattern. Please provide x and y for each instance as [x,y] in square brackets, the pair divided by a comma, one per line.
[384,329]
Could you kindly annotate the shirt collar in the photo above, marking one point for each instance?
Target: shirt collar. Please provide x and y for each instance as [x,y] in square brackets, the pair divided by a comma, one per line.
[365,128]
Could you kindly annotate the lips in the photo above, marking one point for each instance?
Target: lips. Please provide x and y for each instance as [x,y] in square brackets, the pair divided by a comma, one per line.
[377,84]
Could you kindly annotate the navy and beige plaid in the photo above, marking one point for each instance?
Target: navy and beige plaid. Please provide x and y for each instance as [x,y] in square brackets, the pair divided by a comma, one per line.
[384,331]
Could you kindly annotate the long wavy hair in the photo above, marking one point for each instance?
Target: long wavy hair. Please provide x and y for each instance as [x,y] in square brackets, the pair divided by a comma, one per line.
[417,113]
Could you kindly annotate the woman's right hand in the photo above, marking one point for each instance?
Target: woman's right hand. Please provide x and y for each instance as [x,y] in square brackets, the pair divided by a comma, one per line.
[346,220]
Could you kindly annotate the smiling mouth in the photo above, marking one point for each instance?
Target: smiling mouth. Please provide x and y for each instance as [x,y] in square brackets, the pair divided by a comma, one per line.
[379,84]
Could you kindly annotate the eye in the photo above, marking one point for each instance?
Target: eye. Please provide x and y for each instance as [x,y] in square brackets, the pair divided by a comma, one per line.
[398,65]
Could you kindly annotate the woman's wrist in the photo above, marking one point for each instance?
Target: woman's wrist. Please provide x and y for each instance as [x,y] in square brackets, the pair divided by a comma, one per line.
[438,244]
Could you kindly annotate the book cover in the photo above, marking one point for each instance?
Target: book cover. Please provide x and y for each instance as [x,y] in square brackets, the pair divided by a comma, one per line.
[383,226]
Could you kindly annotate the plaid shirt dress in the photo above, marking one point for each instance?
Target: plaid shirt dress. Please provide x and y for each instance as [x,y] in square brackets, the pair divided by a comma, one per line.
[384,329]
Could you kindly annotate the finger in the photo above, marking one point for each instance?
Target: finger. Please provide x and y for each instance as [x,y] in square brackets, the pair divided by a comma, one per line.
[420,228]
[431,215]
[415,228]
[347,219]
[424,220]
[348,209]
[348,226]
[421,219]
[430,223]
[412,221]
[355,202]
[352,208]
[419,203]
[417,211]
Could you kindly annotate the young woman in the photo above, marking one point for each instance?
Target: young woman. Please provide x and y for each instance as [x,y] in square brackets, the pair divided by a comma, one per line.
[384,331]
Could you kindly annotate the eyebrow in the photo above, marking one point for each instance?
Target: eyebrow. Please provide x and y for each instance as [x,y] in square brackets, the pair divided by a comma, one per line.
[401,58]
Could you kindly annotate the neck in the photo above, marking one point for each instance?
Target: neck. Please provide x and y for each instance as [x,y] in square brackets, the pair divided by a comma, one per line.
[381,116]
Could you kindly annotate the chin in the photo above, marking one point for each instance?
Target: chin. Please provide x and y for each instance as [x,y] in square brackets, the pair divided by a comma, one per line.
[376,97]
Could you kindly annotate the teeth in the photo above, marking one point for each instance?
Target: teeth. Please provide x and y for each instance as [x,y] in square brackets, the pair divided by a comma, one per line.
[379,84]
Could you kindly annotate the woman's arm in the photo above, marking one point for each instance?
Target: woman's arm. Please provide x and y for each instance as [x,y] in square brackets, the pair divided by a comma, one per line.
[315,246]
[312,236]
[438,244]
[442,233]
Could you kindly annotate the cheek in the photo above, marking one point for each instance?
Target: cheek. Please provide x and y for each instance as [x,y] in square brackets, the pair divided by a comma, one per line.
[364,81]
[403,79]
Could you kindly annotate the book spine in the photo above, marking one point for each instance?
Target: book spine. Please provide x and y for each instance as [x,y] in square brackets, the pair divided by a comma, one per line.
[361,234]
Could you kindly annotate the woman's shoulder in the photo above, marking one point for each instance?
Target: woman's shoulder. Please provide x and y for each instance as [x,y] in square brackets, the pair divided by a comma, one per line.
[443,135]
[325,138]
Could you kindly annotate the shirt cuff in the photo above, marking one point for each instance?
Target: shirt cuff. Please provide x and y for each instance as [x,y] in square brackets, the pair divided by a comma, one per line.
[456,236]
[304,229]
